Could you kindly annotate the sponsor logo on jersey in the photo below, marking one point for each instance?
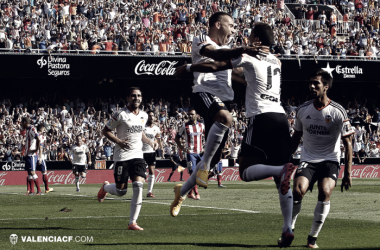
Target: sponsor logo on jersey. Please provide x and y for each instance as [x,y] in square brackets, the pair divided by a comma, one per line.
[135,129]
[308,117]
[317,130]
[328,118]
[163,68]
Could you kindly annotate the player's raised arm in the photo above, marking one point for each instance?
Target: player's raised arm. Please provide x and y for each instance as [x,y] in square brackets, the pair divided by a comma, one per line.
[255,50]
[204,67]
[347,181]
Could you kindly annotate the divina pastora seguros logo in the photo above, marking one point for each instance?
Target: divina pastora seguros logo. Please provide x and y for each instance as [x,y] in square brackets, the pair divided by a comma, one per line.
[162,68]
[345,71]
[57,66]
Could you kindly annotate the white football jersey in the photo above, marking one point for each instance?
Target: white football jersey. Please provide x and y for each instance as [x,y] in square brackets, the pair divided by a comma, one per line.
[217,83]
[151,133]
[322,130]
[128,127]
[263,84]
[79,154]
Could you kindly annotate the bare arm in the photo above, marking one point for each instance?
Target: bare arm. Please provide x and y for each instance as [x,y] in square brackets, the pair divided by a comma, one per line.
[226,54]
[148,141]
[296,138]
[346,181]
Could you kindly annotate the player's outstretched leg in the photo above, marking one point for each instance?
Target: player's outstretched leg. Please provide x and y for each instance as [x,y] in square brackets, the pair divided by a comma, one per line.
[321,211]
[102,193]
[178,199]
[135,205]
[286,204]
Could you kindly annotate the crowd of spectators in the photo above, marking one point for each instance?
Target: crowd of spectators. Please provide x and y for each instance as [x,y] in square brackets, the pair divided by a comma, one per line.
[169,26]
[63,119]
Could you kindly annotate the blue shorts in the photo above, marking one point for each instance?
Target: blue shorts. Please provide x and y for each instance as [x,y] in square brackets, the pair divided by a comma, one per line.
[42,166]
[31,163]
[219,167]
[192,160]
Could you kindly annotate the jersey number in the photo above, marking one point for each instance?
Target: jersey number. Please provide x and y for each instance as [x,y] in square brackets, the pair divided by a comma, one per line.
[269,79]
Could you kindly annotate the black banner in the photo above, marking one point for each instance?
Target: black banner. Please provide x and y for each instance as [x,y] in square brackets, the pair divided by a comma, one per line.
[87,66]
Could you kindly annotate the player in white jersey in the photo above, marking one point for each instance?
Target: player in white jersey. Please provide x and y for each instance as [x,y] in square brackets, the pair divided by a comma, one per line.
[266,146]
[42,164]
[322,123]
[213,92]
[32,155]
[79,151]
[129,123]
[153,133]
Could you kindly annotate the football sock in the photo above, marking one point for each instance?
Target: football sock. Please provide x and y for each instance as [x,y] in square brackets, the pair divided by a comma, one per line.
[196,190]
[111,188]
[261,171]
[31,183]
[77,181]
[211,174]
[218,177]
[136,201]
[35,178]
[28,183]
[181,175]
[296,211]
[170,176]
[46,182]
[321,211]
[214,139]
[150,183]
[190,183]
[286,204]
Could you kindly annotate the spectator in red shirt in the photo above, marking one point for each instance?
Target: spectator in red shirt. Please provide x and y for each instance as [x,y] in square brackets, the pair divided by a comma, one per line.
[109,45]
[359,5]
[310,13]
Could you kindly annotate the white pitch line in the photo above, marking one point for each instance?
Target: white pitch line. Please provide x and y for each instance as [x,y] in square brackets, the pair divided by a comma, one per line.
[103,217]
[162,203]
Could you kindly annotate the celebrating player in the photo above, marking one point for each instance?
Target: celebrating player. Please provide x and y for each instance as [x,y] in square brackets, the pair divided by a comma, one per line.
[322,122]
[152,132]
[42,164]
[32,155]
[267,153]
[213,91]
[79,151]
[129,123]
[193,131]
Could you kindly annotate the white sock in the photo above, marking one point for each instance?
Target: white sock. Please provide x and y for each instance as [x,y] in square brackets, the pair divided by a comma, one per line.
[261,171]
[77,181]
[214,139]
[286,203]
[321,211]
[150,183]
[296,211]
[136,201]
[111,188]
[191,182]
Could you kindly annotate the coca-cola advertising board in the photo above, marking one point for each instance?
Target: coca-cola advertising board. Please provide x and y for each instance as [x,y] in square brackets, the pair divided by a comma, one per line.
[161,175]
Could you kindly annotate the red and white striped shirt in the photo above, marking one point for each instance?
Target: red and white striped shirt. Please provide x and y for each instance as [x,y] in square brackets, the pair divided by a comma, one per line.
[194,135]
[31,141]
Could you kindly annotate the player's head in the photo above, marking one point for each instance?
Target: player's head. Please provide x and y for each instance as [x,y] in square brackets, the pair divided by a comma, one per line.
[221,24]
[79,140]
[134,97]
[192,115]
[40,128]
[25,122]
[263,33]
[320,83]
[151,117]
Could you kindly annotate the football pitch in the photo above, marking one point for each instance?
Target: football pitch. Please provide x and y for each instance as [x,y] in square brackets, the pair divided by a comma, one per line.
[241,216]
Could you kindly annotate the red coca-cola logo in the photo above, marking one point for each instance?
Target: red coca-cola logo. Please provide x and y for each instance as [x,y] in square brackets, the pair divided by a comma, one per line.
[60,178]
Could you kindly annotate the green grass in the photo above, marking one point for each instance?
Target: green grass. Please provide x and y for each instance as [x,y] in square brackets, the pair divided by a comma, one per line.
[222,219]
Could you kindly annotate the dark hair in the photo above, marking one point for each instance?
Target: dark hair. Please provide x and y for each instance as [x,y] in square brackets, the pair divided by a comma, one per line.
[264,32]
[39,127]
[26,120]
[191,109]
[326,78]
[150,111]
[217,17]
[131,89]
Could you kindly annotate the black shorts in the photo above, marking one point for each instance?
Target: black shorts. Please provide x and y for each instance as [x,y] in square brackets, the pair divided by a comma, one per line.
[79,168]
[150,158]
[318,171]
[124,169]
[267,137]
[207,105]
[174,166]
